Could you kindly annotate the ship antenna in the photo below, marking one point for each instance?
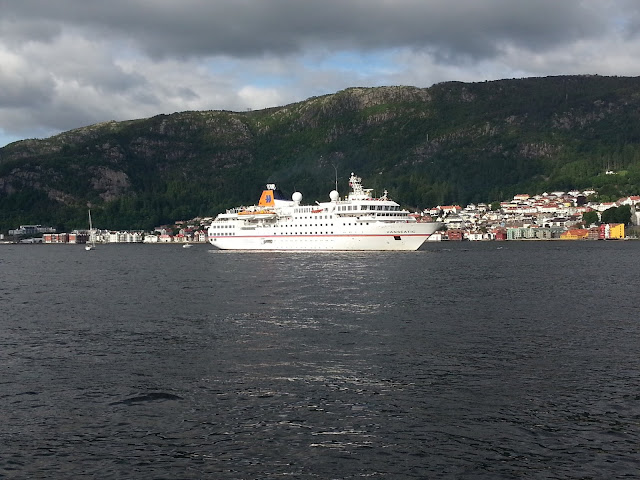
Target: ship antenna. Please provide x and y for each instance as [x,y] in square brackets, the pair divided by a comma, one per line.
[335,167]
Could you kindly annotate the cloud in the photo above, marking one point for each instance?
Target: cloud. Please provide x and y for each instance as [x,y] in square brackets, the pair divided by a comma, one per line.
[246,28]
[66,64]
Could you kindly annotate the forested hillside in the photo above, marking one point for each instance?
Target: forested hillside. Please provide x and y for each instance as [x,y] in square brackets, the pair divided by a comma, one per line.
[450,143]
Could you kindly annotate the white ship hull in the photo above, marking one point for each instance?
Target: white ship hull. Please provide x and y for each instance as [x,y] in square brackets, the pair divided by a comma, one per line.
[388,237]
[357,223]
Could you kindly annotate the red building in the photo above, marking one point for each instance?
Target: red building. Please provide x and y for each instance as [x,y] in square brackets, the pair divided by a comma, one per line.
[455,234]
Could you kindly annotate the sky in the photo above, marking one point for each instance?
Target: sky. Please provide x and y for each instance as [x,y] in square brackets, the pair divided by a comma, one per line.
[66,64]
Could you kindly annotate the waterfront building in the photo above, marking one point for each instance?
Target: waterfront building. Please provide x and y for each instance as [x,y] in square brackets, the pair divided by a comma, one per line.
[611,231]
[55,238]
[31,230]
[575,234]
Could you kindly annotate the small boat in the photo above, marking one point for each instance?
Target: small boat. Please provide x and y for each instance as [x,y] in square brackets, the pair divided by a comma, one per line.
[90,244]
[187,245]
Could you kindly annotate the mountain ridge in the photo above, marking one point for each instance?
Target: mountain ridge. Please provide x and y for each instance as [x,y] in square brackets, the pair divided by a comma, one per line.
[453,142]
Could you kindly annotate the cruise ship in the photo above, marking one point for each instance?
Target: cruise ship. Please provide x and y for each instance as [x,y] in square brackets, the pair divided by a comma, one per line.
[356,222]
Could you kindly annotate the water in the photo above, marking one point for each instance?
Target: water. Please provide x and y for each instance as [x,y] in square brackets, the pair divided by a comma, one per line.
[462,360]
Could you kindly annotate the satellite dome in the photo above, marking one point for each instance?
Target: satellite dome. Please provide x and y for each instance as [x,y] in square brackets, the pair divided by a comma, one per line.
[296,197]
[334,195]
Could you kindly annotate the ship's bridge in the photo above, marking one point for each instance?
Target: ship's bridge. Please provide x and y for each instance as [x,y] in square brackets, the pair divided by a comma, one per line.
[359,193]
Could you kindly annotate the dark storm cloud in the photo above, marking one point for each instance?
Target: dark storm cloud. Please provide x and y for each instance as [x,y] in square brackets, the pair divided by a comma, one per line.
[164,28]
[69,63]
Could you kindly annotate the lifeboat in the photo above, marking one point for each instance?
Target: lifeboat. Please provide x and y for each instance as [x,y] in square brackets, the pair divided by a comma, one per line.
[256,214]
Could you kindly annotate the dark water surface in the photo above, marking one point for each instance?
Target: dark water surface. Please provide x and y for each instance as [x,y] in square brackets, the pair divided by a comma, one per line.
[462,360]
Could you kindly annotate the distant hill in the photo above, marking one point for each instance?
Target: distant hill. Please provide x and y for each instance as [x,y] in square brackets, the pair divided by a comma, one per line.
[450,143]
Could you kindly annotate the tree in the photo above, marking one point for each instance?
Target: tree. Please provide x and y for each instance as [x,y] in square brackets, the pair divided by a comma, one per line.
[608,216]
[617,215]
[590,218]
[623,214]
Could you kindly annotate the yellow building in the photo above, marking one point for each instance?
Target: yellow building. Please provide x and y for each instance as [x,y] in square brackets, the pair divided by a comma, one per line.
[616,230]
[575,234]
